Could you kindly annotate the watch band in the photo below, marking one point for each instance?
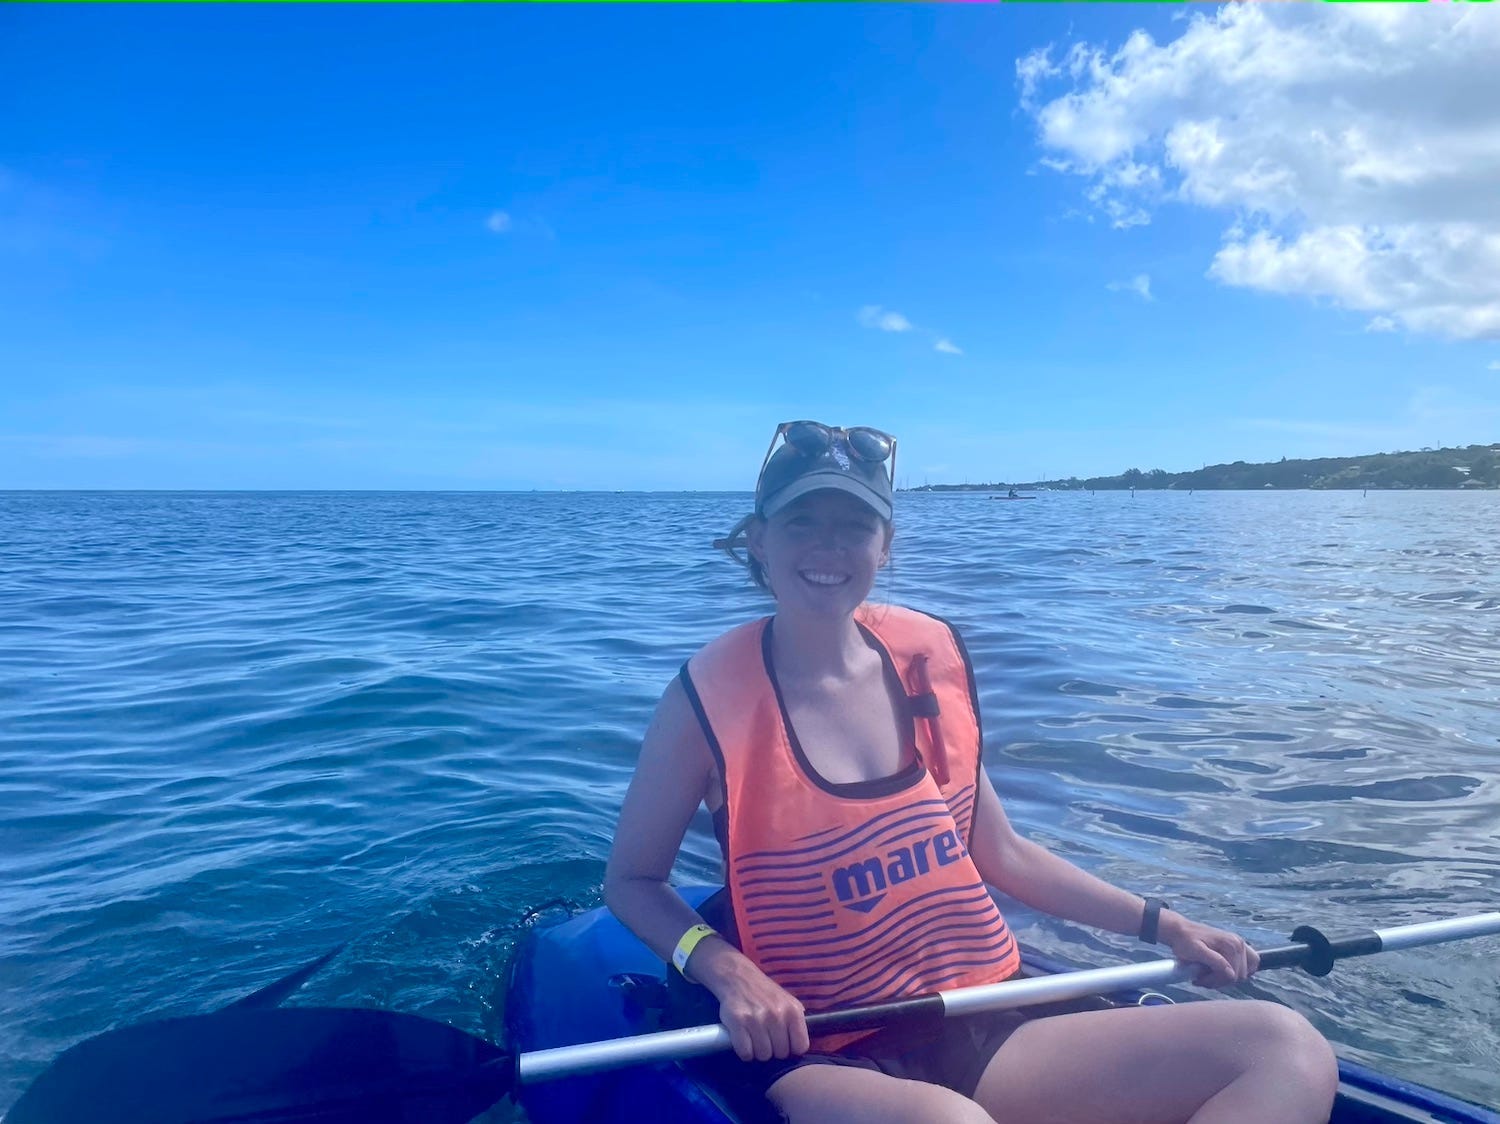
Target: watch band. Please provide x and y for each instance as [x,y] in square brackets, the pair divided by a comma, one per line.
[1151,918]
[686,945]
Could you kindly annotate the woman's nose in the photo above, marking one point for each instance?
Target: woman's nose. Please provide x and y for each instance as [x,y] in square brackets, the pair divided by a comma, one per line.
[828,535]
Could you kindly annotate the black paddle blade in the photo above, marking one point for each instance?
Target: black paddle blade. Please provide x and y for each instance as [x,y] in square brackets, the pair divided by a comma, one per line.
[257,1066]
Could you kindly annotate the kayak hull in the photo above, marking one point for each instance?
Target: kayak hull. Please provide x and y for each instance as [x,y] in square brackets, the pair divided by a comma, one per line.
[566,985]
[575,979]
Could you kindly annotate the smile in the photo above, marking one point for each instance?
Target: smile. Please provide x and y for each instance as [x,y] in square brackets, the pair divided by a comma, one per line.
[820,577]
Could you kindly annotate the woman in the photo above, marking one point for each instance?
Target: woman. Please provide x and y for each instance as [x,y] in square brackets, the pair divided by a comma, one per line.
[837,745]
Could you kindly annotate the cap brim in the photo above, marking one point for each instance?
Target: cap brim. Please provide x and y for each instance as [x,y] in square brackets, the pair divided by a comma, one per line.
[830,480]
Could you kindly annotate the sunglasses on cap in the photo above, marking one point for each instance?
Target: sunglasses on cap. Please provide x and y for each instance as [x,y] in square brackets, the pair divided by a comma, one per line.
[813,439]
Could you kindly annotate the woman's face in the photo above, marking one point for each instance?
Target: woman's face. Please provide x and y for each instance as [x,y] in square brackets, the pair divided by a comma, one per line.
[821,552]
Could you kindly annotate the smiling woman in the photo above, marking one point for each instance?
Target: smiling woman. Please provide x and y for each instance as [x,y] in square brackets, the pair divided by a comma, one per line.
[858,463]
[837,746]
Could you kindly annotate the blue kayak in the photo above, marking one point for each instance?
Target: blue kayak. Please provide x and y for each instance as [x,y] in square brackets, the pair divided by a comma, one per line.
[585,978]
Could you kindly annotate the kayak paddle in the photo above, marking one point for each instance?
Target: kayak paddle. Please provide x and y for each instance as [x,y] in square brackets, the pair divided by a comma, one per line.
[273,993]
[257,1065]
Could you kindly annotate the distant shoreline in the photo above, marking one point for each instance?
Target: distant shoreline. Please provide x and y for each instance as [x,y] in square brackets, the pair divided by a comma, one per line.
[1062,486]
[1467,468]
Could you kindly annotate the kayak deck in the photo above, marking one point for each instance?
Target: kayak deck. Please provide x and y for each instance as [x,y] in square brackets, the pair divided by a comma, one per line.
[577,980]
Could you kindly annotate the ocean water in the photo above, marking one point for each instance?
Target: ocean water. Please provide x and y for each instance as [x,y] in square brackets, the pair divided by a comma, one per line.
[239,728]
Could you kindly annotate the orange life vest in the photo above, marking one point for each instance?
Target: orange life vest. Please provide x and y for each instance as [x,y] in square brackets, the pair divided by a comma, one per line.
[849,894]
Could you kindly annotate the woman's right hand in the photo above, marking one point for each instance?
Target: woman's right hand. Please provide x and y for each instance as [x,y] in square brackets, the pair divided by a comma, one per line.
[764,1020]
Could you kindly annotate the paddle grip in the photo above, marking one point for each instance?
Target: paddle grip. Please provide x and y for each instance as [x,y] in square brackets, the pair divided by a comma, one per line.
[1316,952]
[902,1012]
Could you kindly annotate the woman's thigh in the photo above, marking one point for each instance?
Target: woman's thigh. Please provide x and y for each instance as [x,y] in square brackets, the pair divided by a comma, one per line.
[834,1094]
[1160,1065]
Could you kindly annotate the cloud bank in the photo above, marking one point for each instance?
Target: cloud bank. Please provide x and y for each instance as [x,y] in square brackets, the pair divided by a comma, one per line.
[1354,149]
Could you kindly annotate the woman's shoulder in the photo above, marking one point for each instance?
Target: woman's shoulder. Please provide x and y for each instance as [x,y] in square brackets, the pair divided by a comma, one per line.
[741,637]
[675,729]
[873,614]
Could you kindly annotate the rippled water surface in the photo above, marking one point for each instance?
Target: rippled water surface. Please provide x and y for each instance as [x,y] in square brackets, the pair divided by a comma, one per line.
[236,729]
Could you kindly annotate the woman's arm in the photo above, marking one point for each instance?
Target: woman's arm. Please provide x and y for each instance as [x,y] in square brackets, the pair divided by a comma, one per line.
[1032,874]
[671,779]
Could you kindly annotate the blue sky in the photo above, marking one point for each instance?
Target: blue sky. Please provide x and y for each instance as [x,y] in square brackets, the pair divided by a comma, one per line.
[611,247]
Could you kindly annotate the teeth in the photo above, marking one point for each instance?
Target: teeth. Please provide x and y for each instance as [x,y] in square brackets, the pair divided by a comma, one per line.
[819,578]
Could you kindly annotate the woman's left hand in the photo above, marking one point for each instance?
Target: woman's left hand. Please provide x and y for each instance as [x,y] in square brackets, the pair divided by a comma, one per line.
[1225,956]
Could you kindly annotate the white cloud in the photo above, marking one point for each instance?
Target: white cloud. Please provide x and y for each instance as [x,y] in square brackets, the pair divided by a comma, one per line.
[1121,215]
[1140,285]
[883,319]
[499,222]
[1381,324]
[888,320]
[1356,149]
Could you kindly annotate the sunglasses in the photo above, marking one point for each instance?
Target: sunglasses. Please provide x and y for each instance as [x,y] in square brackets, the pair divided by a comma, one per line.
[813,439]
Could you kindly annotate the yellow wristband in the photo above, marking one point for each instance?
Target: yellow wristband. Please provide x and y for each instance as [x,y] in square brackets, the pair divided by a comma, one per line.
[686,945]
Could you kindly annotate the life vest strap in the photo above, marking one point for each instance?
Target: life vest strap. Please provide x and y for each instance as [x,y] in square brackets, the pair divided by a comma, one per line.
[937,762]
[924,705]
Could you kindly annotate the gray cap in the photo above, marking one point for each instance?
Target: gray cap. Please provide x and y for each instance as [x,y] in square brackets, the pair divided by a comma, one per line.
[791,474]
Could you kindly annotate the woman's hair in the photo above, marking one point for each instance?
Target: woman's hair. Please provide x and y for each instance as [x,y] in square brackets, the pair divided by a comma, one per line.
[735,545]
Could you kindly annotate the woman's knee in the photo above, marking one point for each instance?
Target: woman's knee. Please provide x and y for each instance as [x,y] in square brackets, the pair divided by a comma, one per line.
[1287,1042]
[877,1100]
[935,1102]
[922,1103]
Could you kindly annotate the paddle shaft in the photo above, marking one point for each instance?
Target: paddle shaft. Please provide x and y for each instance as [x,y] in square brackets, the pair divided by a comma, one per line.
[1317,953]
[1313,950]
[255,1062]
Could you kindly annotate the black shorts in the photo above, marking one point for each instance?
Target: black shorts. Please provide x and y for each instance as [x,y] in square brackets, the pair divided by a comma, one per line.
[953,1053]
